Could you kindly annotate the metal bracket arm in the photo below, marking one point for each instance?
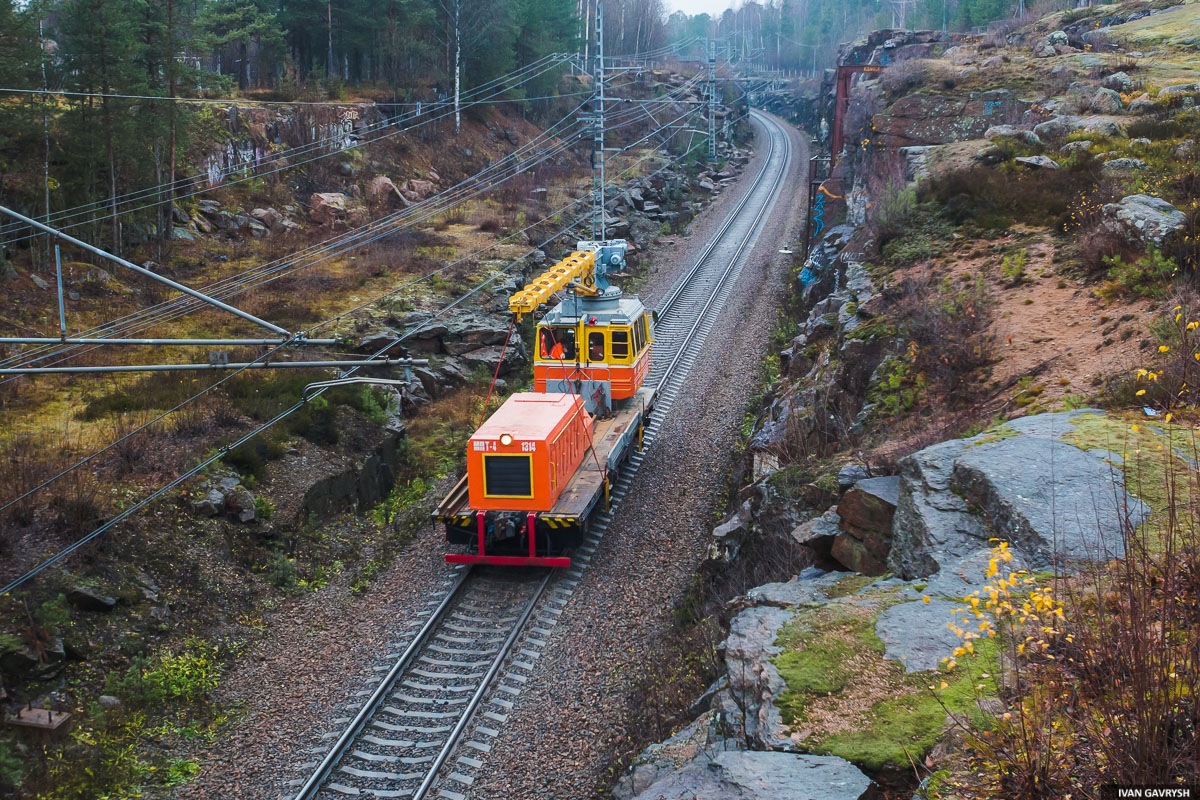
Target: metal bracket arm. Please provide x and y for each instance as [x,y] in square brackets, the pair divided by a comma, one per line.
[212,301]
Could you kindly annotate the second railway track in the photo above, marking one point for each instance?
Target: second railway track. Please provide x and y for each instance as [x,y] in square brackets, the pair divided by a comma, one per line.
[426,728]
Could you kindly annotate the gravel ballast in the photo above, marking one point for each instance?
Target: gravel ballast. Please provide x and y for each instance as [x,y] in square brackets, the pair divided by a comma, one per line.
[324,648]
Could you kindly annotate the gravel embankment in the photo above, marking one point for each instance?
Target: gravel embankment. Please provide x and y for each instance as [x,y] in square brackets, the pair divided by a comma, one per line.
[323,648]
[556,741]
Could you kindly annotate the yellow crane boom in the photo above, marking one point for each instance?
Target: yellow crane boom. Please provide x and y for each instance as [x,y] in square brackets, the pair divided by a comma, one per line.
[580,265]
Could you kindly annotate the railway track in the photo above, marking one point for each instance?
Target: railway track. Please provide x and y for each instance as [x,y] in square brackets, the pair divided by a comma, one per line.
[427,726]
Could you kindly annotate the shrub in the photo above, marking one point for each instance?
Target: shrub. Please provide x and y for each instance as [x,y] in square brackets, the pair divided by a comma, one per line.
[1156,129]
[370,405]
[10,766]
[988,196]
[1185,244]
[281,571]
[1169,385]
[1149,276]
[1013,267]
[78,503]
[489,225]
[1101,681]
[264,509]
[315,422]
[250,458]
[186,676]
[949,331]
[900,385]
[904,76]
[896,206]
[403,506]
[1098,244]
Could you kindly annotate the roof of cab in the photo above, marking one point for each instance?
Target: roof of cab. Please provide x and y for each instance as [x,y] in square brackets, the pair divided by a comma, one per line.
[530,415]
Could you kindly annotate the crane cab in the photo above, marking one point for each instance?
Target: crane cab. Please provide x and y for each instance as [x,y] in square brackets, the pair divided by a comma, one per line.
[598,348]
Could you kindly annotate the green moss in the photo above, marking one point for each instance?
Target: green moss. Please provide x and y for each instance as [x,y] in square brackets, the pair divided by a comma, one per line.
[818,648]
[907,727]
[995,434]
[788,481]
[827,482]
[851,584]
[831,650]
[1148,462]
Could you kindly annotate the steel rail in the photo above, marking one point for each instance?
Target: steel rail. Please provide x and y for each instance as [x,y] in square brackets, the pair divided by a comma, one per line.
[677,290]
[750,231]
[331,759]
[624,481]
[324,769]
[488,679]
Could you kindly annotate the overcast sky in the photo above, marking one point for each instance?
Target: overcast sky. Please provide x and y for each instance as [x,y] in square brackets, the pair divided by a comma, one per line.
[713,7]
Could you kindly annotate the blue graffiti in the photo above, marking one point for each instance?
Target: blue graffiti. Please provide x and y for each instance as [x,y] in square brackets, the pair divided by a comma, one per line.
[807,276]
[818,218]
[991,106]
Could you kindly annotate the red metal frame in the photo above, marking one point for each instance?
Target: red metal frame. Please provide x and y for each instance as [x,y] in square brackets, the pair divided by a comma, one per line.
[531,560]
[508,561]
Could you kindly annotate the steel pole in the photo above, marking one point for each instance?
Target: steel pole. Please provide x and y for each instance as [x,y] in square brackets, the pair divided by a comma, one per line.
[62,310]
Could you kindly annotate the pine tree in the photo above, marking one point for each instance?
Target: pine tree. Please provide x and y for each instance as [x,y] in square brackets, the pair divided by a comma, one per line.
[105,51]
[242,32]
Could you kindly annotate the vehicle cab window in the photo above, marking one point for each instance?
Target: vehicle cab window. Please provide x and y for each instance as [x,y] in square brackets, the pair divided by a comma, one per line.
[557,343]
[620,344]
[596,346]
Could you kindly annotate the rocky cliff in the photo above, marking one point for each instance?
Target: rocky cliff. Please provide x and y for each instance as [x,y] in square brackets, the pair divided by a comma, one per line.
[930,411]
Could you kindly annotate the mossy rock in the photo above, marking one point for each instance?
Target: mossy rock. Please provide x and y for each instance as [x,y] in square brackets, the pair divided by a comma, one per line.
[845,699]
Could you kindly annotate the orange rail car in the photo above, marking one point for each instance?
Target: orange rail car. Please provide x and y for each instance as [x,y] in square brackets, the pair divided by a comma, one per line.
[526,451]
